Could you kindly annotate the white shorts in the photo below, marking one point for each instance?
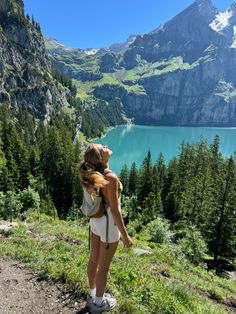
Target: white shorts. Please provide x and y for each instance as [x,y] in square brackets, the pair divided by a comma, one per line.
[98,227]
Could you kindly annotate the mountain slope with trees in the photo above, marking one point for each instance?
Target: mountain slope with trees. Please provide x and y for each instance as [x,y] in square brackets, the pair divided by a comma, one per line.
[183,213]
[28,81]
[182,73]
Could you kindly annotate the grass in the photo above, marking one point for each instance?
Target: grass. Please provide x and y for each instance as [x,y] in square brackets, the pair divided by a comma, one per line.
[164,282]
[68,110]
[129,79]
[82,62]
[108,79]
[136,89]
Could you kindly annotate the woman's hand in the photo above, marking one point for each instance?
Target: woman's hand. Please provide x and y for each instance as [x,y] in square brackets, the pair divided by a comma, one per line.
[127,241]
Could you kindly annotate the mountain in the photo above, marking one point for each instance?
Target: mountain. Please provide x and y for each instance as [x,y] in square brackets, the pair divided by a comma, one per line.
[225,22]
[120,47]
[182,73]
[25,71]
[188,34]
[29,82]
[54,47]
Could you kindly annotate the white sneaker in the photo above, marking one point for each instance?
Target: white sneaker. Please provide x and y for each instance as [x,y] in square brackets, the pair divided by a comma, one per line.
[89,299]
[106,305]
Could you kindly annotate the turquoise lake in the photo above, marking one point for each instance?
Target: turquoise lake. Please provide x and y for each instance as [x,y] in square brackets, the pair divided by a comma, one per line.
[131,143]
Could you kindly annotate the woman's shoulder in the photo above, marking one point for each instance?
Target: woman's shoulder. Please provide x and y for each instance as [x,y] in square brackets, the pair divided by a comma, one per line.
[110,175]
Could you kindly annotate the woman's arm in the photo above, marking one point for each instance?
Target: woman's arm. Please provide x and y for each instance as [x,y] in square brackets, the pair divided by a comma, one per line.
[113,200]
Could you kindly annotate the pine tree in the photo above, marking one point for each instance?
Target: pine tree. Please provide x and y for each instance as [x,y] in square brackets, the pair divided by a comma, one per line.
[159,172]
[216,158]
[58,164]
[146,182]
[3,170]
[17,160]
[197,199]
[151,207]
[222,226]
[124,178]
[168,191]
[77,188]
[133,179]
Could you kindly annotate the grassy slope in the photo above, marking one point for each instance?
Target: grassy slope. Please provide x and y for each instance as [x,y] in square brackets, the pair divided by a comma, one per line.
[128,79]
[164,282]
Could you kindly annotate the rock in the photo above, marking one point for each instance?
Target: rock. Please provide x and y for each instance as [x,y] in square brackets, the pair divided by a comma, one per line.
[5,230]
[25,66]
[139,252]
[183,72]
[6,227]
[13,224]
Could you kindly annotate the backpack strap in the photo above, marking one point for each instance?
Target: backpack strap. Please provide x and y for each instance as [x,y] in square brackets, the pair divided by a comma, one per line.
[107,229]
[89,242]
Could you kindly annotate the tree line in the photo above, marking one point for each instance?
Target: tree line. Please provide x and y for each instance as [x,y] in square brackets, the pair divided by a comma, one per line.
[45,157]
[197,188]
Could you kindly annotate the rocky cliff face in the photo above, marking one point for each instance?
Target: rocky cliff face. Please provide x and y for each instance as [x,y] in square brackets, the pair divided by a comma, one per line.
[188,34]
[182,73]
[25,70]
[201,90]
[204,95]
[225,23]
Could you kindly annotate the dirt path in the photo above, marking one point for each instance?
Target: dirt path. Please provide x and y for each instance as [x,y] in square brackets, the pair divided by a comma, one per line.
[22,292]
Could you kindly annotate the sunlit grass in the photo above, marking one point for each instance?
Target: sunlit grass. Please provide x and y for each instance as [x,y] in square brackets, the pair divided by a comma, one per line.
[163,282]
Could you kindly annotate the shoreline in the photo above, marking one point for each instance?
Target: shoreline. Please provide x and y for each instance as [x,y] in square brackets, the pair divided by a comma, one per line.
[130,123]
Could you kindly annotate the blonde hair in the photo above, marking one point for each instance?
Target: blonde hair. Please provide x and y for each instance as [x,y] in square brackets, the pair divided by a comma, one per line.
[91,170]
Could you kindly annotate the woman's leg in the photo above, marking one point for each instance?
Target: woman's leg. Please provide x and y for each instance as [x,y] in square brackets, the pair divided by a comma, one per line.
[105,257]
[93,260]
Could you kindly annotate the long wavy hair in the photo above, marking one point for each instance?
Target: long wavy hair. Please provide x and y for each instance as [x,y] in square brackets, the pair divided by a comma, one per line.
[91,170]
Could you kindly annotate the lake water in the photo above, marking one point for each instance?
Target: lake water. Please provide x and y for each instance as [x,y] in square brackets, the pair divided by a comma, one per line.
[132,142]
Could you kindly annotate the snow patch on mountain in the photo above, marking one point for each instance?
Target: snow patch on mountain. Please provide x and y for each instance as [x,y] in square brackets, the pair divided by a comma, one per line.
[92,51]
[221,21]
[234,38]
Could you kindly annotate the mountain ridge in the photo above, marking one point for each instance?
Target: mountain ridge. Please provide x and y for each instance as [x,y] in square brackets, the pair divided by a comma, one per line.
[25,71]
[55,47]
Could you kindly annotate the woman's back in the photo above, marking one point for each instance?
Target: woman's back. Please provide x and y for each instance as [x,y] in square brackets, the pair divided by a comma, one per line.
[106,190]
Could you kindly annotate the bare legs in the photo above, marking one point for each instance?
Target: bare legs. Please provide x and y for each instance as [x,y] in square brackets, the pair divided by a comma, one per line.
[105,257]
[93,260]
[99,263]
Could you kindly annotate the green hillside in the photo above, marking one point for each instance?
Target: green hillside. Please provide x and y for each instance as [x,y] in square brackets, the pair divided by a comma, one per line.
[162,282]
[131,79]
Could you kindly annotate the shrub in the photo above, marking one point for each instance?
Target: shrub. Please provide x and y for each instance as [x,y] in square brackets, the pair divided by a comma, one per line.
[135,226]
[157,231]
[10,205]
[74,213]
[47,206]
[130,208]
[193,245]
[29,199]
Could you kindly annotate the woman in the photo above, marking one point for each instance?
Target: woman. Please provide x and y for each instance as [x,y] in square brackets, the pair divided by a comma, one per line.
[95,175]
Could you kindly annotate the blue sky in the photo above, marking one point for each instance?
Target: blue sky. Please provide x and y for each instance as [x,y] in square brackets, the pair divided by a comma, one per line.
[100,23]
